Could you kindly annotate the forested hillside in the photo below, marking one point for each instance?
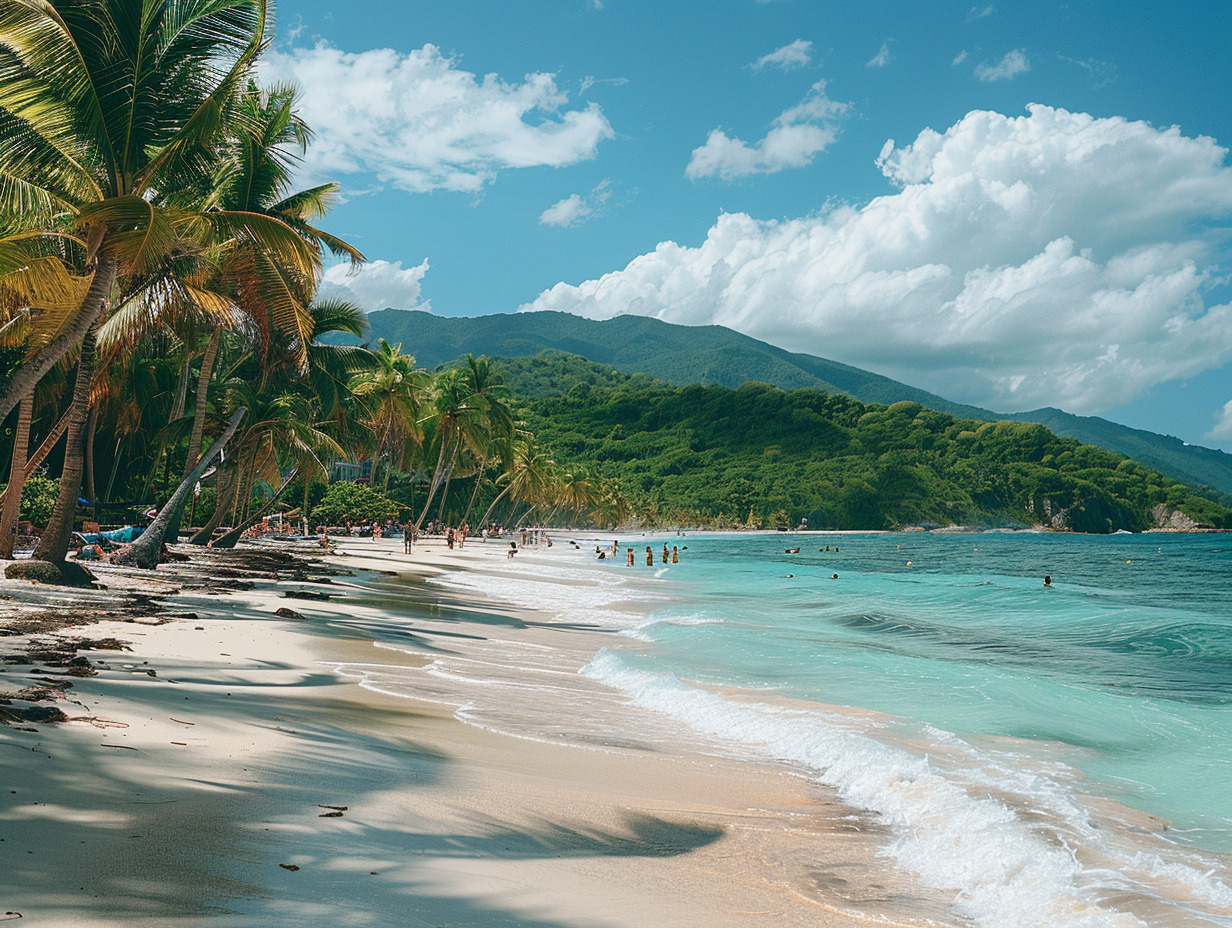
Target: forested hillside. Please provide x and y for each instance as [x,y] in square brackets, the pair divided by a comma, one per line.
[716,355]
[712,453]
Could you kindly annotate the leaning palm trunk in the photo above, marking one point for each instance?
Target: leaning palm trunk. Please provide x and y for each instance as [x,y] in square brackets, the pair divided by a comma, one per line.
[499,497]
[145,550]
[53,545]
[44,449]
[17,478]
[228,480]
[474,492]
[198,429]
[32,369]
[434,486]
[203,389]
[230,538]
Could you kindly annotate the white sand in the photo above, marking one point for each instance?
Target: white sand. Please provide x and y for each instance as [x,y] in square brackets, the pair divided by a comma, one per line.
[180,801]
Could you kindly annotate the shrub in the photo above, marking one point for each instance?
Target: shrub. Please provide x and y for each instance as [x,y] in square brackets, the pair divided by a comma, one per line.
[355,502]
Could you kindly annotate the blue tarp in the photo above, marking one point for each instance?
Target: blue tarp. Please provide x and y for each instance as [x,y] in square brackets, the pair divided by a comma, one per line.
[124,536]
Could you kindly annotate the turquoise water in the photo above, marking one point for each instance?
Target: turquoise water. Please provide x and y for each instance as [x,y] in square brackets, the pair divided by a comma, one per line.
[1055,756]
[1124,664]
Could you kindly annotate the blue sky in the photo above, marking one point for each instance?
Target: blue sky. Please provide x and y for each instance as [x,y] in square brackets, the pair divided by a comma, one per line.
[1010,204]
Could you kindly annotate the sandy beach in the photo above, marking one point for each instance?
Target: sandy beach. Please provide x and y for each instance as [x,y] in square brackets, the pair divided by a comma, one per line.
[222,771]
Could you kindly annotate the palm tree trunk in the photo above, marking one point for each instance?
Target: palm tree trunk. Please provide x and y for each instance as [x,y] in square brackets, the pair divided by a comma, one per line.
[436,482]
[222,501]
[198,429]
[53,545]
[145,550]
[115,467]
[474,491]
[47,445]
[17,478]
[91,426]
[230,538]
[453,463]
[499,497]
[31,371]
[203,389]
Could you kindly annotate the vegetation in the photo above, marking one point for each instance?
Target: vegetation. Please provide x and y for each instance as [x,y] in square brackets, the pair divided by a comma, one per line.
[760,455]
[354,502]
[158,276]
[715,355]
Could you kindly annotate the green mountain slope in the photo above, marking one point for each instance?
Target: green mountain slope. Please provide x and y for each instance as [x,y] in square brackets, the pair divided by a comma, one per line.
[714,455]
[716,355]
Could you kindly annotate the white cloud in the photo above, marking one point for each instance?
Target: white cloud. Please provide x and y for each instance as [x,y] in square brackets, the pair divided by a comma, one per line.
[799,54]
[566,212]
[882,58]
[797,136]
[959,58]
[376,285]
[977,12]
[575,209]
[419,123]
[1053,258]
[1013,63]
[1223,429]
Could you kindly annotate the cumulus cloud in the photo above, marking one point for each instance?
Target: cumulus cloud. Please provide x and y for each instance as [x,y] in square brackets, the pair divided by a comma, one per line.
[420,123]
[797,135]
[799,54]
[1223,429]
[1052,258]
[882,58]
[1013,63]
[376,285]
[575,209]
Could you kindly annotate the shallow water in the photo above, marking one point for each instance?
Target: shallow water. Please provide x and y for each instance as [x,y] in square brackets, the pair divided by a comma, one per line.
[1025,746]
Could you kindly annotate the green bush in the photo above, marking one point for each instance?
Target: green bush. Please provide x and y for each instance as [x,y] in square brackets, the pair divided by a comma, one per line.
[354,502]
[38,498]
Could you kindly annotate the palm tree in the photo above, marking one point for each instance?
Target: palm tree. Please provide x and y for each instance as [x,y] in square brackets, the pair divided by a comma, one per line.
[106,105]
[527,473]
[471,416]
[390,398]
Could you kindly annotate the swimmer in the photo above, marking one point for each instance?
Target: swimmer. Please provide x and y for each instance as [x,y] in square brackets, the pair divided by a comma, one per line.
[792,551]
[649,556]
[630,556]
[675,555]
[833,576]
[1048,580]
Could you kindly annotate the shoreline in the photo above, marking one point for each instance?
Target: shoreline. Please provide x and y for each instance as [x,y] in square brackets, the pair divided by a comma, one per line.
[243,735]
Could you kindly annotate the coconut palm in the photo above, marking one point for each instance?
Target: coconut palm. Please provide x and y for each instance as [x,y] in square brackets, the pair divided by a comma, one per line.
[107,105]
[389,399]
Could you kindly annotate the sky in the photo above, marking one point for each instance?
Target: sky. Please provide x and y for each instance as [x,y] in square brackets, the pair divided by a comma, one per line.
[1011,204]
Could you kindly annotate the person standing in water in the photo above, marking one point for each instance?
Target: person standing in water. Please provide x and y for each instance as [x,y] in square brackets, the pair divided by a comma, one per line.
[649,556]
[665,552]
[675,554]
[630,555]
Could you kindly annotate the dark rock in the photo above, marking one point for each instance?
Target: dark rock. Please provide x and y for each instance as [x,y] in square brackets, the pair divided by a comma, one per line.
[65,574]
[288,613]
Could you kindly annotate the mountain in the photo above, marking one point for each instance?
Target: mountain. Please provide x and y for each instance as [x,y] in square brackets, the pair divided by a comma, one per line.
[716,355]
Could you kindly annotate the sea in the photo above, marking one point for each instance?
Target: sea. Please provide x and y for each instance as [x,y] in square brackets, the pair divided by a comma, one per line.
[1052,756]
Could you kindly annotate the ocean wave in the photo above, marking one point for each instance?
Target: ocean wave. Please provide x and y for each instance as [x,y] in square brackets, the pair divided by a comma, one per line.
[1015,843]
